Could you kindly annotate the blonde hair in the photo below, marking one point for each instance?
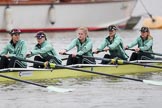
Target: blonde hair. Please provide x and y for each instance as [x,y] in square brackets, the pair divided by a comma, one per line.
[85,30]
[149,35]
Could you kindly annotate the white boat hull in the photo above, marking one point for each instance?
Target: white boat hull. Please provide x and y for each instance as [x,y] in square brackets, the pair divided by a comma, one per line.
[66,16]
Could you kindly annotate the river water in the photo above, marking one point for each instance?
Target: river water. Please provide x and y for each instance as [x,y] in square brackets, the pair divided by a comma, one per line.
[96,92]
[100,92]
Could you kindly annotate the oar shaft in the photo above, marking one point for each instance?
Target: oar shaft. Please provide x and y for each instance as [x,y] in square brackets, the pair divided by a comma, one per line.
[110,75]
[49,88]
[123,62]
[83,55]
[64,59]
[99,51]
[30,61]
[158,54]
[97,58]
[66,54]
[24,81]
[98,73]
[86,71]
[94,72]
[139,64]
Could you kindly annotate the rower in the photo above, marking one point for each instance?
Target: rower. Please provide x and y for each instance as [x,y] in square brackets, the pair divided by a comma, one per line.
[114,44]
[16,48]
[84,47]
[145,43]
[44,51]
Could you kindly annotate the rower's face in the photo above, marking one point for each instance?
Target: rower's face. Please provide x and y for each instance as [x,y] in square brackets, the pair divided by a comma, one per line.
[81,35]
[112,33]
[40,40]
[144,34]
[16,37]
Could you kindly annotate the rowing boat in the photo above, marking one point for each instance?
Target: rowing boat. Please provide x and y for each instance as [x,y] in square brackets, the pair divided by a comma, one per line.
[40,74]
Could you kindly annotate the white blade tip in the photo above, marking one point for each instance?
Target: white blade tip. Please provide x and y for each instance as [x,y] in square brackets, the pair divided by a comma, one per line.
[152,82]
[60,90]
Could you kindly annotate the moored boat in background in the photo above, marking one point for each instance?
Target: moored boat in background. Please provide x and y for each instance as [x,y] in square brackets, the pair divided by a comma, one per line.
[61,15]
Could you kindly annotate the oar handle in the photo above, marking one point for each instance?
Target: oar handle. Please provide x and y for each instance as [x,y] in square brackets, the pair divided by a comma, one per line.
[158,54]
[64,59]
[66,54]
[82,56]
[99,51]
[130,49]
[71,54]
[79,55]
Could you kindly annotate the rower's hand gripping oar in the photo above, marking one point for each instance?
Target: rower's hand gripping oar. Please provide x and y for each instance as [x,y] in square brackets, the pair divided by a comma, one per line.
[52,65]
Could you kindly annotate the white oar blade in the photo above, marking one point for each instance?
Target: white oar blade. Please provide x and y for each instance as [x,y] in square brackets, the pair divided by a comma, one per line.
[152,82]
[60,90]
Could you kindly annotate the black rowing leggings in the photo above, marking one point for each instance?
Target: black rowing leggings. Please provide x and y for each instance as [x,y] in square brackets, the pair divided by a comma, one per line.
[11,62]
[51,59]
[79,60]
[141,56]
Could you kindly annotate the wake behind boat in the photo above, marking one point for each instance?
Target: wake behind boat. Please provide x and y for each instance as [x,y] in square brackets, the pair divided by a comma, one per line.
[58,15]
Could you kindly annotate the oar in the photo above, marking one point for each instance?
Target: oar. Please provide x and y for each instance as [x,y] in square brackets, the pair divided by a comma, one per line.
[118,61]
[158,54]
[64,59]
[51,65]
[92,52]
[49,88]
[4,70]
[123,62]
[100,51]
